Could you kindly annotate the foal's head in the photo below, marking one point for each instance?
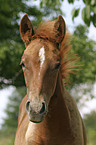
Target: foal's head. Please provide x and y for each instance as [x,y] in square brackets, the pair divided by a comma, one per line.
[41,63]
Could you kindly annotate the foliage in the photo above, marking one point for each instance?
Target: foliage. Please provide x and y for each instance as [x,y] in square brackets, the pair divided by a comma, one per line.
[75,13]
[90,123]
[88,12]
[7,133]
[82,82]
[83,93]
[12,109]
[52,6]
[9,16]
[85,48]
[11,46]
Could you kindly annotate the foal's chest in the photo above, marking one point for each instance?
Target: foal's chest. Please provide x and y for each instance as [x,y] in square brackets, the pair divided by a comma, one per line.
[33,138]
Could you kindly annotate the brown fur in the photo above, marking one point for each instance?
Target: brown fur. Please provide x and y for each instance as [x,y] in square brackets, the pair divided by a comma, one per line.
[61,123]
[46,31]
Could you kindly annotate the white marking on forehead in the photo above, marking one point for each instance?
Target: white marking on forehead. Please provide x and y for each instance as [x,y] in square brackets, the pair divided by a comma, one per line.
[42,56]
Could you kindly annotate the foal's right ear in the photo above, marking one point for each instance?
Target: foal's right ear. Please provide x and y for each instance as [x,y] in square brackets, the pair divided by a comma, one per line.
[26,30]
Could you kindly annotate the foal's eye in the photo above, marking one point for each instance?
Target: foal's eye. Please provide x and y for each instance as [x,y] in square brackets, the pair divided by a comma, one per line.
[22,64]
[57,65]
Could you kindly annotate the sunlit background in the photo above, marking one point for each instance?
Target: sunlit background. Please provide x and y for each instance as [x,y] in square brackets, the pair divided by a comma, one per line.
[84,91]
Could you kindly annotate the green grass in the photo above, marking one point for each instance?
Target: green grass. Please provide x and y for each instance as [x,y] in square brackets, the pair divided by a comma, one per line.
[6,141]
[6,138]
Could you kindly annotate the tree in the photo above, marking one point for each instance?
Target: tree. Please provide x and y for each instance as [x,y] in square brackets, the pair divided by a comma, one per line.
[8,130]
[86,50]
[12,109]
[11,46]
[82,82]
[90,122]
[88,12]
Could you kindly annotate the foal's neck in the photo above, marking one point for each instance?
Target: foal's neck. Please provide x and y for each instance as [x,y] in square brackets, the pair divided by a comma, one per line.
[58,116]
[57,106]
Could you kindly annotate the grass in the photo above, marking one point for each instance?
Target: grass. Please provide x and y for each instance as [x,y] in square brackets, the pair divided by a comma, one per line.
[6,138]
[6,141]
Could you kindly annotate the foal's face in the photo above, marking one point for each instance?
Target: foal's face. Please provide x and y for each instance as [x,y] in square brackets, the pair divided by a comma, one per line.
[40,63]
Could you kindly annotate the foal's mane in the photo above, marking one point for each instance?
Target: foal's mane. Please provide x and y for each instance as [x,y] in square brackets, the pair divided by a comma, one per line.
[46,31]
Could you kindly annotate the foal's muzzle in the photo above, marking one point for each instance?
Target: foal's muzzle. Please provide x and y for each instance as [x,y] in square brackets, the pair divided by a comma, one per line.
[36,111]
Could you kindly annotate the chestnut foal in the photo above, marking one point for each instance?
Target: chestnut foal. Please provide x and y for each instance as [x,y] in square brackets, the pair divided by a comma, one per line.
[51,116]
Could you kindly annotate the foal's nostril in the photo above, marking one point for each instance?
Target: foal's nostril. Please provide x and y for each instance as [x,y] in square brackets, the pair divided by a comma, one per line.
[34,109]
[27,105]
[43,108]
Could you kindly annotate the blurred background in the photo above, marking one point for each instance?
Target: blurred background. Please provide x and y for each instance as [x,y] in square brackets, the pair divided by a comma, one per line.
[80,18]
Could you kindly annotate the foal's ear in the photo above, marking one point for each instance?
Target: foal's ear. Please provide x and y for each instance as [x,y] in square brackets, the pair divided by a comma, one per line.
[60,28]
[26,30]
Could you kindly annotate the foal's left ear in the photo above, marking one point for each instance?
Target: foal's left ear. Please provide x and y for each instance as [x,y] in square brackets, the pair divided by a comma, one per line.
[26,30]
[60,28]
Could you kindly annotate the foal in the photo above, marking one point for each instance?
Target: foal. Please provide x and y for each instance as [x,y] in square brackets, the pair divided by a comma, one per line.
[48,115]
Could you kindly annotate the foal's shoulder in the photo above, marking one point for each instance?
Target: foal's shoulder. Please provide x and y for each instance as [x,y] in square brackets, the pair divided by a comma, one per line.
[22,111]
[71,104]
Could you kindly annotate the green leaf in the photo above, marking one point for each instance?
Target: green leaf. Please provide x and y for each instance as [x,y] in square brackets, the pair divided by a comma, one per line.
[41,4]
[87,1]
[75,13]
[88,12]
[71,1]
[94,20]
[84,1]
[86,16]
